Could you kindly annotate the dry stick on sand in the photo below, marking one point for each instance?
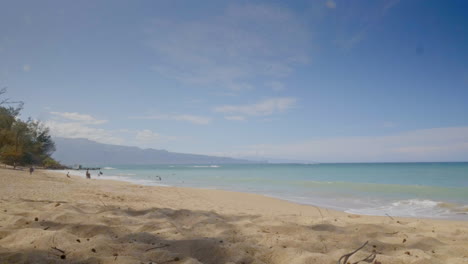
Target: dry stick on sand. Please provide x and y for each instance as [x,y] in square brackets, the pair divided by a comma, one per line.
[58,249]
[102,202]
[63,256]
[163,246]
[319,212]
[367,259]
[389,216]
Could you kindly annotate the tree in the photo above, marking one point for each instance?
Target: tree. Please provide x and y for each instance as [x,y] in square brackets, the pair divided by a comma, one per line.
[22,143]
[11,156]
[17,150]
[8,117]
[41,145]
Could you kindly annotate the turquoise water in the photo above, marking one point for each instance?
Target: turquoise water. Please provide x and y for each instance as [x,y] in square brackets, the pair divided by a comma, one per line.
[435,190]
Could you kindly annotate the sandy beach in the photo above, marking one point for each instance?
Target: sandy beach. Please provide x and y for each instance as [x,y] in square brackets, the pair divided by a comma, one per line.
[49,218]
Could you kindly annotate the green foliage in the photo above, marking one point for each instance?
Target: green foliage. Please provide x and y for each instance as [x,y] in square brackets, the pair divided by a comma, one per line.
[23,142]
[9,155]
[50,163]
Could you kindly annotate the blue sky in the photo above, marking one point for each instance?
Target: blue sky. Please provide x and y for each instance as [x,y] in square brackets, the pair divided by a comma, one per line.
[326,81]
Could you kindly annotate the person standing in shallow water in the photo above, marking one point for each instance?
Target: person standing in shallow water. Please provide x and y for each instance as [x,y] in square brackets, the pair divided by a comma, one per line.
[31,170]
[88,175]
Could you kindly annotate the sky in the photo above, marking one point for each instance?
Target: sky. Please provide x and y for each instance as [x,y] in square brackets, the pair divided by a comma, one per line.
[313,81]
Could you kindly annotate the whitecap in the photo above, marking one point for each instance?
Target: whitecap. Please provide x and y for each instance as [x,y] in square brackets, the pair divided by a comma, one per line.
[407,208]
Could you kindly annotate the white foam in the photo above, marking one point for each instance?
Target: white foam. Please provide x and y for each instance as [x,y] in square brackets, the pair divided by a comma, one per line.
[407,208]
[108,168]
[119,177]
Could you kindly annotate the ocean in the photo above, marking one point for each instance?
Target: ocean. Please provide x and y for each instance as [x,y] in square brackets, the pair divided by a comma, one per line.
[427,190]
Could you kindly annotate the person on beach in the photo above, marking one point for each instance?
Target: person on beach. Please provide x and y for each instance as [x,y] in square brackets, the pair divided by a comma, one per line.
[88,175]
[68,174]
[31,170]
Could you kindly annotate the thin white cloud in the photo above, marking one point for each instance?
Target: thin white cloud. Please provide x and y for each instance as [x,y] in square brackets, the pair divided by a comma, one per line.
[76,125]
[262,108]
[194,119]
[229,51]
[83,118]
[276,86]
[147,136]
[144,138]
[235,118]
[81,130]
[436,144]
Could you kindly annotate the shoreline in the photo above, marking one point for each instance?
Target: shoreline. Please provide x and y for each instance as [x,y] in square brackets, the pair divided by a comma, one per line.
[119,222]
[324,204]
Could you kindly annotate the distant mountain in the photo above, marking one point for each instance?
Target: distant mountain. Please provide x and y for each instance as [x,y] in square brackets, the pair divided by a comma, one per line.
[72,151]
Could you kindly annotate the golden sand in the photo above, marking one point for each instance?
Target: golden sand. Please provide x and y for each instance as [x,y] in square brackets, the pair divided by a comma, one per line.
[49,218]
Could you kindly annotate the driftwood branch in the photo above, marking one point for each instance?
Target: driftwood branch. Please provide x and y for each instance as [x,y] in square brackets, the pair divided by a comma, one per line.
[58,249]
[367,259]
[319,212]
[105,205]
[344,259]
[163,246]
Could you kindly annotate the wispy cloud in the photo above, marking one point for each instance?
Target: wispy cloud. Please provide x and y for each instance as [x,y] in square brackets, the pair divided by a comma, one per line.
[262,108]
[81,130]
[75,125]
[229,51]
[194,119]
[83,118]
[147,136]
[436,144]
[235,118]
[276,86]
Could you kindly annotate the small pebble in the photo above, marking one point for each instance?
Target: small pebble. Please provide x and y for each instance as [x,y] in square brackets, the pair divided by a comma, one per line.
[36,219]
[63,257]
[93,250]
